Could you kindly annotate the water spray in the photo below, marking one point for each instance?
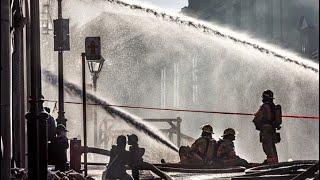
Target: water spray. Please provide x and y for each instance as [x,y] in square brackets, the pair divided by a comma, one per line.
[115,112]
[231,75]
[207,29]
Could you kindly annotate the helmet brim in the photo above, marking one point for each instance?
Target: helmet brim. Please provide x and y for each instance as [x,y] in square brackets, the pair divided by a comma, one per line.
[237,133]
[267,97]
[228,135]
[207,131]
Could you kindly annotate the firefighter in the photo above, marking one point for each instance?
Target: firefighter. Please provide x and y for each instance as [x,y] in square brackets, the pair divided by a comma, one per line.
[52,129]
[60,144]
[226,152]
[186,157]
[204,148]
[136,155]
[119,158]
[265,122]
[51,125]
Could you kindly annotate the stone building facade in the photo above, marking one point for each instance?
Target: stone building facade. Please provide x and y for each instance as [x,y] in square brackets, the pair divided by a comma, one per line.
[289,23]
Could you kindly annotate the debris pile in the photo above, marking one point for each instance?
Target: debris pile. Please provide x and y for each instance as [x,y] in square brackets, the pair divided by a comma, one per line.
[68,175]
[22,174]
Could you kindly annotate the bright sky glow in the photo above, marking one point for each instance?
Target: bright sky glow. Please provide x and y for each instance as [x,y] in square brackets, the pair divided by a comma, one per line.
[174,5]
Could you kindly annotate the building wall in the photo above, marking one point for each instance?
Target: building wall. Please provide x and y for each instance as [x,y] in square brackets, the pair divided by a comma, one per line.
[274,21]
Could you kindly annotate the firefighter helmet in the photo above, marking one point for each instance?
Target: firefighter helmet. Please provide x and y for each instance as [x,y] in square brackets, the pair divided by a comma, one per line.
[132,139]
[121,140]
[229,131]
[268,94]
[61,128]
[47,109]
[207,128]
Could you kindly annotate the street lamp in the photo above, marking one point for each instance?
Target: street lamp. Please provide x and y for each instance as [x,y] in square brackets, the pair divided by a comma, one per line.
[95,67]
[61,43]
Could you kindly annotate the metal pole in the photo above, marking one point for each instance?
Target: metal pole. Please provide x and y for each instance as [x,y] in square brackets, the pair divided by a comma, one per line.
[5,71]
[18,112]
[36,117]
[95,121]
[59,9]
[178,131]
[27,50]
[84,111]
[61,117]
[28,71]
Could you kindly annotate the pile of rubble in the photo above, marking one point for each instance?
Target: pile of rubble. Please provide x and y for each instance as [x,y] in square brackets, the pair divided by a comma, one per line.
[21,174]
[68,175]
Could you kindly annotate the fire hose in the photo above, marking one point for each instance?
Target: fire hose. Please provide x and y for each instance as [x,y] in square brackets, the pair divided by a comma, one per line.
[283,170]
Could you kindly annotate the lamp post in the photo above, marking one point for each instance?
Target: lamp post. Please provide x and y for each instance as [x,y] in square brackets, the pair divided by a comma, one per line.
[61,43]
[36,117]
[61,118]
[95,67]
[93,56]
[5,89]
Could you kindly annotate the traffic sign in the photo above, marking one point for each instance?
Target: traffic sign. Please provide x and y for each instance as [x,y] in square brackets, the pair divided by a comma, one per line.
[61,35]
[93,48]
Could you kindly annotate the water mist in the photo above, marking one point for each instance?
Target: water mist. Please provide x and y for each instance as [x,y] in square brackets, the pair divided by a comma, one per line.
[156,61]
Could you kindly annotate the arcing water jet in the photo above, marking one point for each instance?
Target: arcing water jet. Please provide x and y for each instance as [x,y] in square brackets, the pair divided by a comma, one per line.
[211,30]
[127,117]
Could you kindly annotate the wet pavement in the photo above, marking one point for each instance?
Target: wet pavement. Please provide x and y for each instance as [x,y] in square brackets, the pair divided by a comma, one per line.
[96,173]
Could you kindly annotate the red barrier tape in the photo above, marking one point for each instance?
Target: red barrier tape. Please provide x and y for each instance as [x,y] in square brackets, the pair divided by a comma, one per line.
[301,117]
[194,111]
